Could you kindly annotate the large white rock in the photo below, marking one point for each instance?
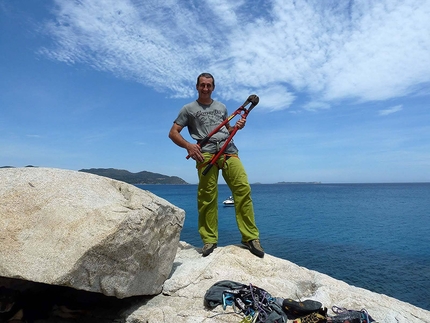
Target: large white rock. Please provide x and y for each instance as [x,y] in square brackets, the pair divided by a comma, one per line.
[96,234]
[183,293]
[85,231]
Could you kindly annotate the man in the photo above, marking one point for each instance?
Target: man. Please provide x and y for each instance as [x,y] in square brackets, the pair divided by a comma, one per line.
[201,117]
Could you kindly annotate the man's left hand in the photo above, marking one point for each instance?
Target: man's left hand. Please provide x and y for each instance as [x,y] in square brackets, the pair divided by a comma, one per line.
[240,123]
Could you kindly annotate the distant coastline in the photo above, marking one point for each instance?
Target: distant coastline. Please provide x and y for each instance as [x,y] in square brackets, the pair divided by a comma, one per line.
[140,178]
[149,178]
[299,183]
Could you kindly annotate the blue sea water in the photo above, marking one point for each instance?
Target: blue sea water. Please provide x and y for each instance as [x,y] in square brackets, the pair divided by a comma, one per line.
[374,236]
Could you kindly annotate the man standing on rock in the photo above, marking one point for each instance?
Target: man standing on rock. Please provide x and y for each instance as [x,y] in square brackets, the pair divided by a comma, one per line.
[201,117]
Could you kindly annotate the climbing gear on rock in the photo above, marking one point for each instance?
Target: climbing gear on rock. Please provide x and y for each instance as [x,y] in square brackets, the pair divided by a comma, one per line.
[254,303]
[257,306]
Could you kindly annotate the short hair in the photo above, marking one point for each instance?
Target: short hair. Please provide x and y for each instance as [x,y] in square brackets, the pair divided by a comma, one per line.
[207,75]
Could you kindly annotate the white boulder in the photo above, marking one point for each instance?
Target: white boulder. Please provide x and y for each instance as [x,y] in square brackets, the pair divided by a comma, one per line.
[182,298]
[70,228]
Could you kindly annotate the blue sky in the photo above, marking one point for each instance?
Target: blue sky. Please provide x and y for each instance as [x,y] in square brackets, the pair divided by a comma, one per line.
[344,86]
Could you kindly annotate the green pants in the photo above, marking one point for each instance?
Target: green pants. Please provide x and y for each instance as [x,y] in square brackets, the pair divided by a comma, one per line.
[235,176]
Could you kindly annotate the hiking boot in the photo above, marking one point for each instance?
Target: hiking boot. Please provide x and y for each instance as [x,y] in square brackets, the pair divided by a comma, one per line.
[298,308]
[255,247]
[208,248]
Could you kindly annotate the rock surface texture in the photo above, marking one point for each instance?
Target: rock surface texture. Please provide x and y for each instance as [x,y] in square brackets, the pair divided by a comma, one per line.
[85,231]
[183,293]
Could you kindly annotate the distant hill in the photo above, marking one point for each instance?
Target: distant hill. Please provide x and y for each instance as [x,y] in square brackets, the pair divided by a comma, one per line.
[14,167]
[135,178]
[298,183]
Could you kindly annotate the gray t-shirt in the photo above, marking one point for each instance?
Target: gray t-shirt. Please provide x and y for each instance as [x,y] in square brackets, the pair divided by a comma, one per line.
[201,120]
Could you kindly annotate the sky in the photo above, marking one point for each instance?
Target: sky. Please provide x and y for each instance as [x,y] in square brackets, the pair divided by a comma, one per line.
[344,86]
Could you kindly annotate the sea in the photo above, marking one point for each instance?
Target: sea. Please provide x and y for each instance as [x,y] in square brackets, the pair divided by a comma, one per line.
[374,236]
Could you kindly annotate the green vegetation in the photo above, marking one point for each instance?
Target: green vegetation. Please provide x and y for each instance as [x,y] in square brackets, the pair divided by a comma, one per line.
[135,178]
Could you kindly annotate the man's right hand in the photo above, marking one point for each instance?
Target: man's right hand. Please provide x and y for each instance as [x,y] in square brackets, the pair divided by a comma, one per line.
[194,152]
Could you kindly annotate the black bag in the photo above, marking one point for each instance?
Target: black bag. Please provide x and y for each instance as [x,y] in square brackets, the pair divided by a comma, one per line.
[351,316]
[248,300]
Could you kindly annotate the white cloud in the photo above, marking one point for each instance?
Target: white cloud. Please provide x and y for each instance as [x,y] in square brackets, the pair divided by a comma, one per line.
[225,10]
[391,110]
[316,105]
[384,55]
[275,97]
[150,42]
[364,50]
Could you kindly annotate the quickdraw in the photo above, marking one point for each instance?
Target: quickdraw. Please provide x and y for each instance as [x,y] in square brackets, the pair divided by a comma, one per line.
[253,302]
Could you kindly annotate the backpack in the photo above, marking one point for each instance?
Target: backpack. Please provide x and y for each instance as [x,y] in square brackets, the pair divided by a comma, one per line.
[256,304]
[350,316]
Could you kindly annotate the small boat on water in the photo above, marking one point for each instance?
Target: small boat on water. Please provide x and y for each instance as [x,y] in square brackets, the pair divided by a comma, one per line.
[229,201]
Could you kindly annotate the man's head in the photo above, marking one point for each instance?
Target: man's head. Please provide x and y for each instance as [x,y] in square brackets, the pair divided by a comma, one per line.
[205,85]
[207,76]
